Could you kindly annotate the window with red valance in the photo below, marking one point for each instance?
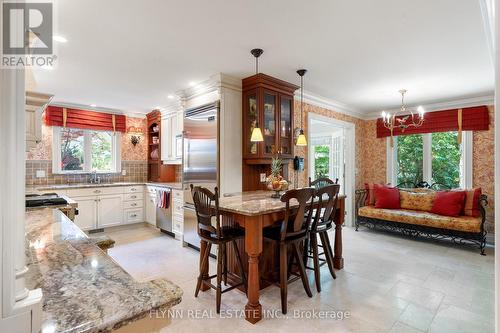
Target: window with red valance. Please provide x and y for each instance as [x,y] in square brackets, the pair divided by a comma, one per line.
[472,119]
[84,119]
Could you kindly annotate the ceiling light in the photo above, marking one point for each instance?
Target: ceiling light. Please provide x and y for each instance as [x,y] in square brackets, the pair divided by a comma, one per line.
[192,84]
[301,139]
[60,39]
[93,105]
[256,131]
[170,96]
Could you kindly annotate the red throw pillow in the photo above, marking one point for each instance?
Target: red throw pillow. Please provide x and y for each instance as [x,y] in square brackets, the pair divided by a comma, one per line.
[471,202]
[449,203]
[387,197]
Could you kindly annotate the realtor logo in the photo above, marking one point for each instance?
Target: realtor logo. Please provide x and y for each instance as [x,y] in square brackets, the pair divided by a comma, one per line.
[27,34]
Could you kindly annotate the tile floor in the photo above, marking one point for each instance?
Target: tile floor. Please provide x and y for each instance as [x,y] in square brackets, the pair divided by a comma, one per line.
[389,284]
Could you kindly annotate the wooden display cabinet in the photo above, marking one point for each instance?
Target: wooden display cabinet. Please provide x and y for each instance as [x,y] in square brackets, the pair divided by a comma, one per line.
[157,171]
[268,103]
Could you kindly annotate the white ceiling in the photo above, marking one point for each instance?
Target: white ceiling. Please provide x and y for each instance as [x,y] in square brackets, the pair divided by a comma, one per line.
[130,55]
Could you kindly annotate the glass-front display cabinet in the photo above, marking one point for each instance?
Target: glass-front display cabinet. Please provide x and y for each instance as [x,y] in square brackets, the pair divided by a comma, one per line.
[268,104]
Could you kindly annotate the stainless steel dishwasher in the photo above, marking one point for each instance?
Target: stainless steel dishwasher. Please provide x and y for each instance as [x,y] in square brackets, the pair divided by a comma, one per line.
[164,215]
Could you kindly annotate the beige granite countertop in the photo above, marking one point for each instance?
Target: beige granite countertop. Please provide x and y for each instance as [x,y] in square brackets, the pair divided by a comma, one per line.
[55,187]
[84,290]
[253,203]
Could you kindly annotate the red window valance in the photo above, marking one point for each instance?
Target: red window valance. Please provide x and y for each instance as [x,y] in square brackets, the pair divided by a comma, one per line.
[84,119]
[473,119]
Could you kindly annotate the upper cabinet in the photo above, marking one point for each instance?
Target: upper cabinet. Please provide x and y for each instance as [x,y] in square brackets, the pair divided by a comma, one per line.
[35,106]
[172,123]
[268,104]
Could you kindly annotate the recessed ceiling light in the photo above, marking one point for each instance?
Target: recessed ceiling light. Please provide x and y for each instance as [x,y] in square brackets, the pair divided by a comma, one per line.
[170,96]
[93,105]
[192,84]
[157,107]
[60,39]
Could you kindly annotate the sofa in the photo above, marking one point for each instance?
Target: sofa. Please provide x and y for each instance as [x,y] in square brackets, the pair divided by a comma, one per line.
[415,214]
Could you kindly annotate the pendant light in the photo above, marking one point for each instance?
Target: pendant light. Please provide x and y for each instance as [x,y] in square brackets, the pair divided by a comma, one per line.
[301,139]
[256,132]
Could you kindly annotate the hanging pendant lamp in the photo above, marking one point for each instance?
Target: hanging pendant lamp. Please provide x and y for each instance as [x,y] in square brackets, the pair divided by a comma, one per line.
[256,132]
[301,139]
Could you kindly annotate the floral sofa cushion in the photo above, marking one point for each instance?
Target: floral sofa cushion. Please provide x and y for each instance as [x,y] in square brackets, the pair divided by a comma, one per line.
[461,223]
[417,200]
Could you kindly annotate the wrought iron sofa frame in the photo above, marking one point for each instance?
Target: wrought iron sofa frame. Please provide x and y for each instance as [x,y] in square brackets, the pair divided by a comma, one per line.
[418,231]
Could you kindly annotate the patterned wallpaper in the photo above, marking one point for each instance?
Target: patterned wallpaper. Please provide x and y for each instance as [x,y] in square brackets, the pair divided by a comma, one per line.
[43,151]
[371,154]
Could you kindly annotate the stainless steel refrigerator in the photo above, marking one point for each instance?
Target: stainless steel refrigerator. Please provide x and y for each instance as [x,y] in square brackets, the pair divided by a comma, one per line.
[200,160]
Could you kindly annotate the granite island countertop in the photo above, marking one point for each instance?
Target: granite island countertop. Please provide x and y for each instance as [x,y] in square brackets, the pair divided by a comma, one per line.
[254,203]
[56,187]
[85,290]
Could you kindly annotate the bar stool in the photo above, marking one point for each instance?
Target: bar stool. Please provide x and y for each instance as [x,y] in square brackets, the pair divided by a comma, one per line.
[207,209]
[322,221]
[290,233]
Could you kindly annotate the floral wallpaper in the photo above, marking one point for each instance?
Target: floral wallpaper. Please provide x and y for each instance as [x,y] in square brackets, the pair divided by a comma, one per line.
[483,166]
[43,151]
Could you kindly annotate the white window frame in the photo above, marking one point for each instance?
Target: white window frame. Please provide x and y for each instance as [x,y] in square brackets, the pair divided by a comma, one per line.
[87,165]
[465,160]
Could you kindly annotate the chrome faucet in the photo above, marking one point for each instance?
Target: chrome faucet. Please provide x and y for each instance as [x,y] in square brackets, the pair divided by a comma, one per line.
[94,179]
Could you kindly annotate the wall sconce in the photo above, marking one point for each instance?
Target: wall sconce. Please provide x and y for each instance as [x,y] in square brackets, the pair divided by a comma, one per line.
[135,133]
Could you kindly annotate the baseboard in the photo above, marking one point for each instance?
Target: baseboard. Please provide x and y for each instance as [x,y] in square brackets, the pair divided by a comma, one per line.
[490,239]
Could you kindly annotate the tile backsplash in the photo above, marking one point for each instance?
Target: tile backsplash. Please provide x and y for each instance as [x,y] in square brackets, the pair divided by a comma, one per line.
[136,171]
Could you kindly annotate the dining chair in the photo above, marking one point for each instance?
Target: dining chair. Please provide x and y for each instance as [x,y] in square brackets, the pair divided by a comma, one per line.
[290,233]
[326,204]
[321,182]
[206,206]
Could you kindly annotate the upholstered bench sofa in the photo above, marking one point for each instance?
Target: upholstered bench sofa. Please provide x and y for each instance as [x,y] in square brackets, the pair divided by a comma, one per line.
[415,215]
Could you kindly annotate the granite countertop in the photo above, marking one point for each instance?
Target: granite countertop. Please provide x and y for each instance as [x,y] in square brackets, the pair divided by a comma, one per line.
[36,188]
[84,290]
[253,203]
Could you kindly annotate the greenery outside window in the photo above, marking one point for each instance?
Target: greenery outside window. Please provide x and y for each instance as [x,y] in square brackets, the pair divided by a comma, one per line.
[84,151]
[436,158]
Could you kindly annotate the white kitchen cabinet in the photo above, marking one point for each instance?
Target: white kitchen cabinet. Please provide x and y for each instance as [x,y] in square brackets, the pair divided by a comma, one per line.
[171,139]
[110,210]
[151,209]
[87,213]
[178,213]
[35,106]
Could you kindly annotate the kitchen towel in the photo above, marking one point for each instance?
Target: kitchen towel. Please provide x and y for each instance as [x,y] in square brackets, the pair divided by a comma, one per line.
[163,199]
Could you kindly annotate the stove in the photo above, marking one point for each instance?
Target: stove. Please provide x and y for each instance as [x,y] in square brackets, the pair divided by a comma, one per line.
[44,200]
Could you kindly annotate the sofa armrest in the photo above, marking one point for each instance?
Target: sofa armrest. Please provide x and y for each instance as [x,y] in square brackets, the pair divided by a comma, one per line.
[483,202]
[360,200]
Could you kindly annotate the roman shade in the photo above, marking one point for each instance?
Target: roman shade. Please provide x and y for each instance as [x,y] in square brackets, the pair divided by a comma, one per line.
[84,119]
[466,119]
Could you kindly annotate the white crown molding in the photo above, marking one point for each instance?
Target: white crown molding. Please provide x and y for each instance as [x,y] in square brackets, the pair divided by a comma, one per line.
[214,83]
[446,105]
[99,109]
[329,104]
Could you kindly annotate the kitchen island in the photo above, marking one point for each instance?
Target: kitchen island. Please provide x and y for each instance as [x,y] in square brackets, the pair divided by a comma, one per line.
[254,211]
[85,290]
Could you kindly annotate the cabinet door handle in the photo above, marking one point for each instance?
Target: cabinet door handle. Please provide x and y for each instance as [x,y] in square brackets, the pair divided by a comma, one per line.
[134,204]
[134,196]
[133,189]
[133,215]
[97,191]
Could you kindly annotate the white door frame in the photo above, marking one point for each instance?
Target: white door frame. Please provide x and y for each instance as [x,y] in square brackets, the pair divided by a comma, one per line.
[350,159]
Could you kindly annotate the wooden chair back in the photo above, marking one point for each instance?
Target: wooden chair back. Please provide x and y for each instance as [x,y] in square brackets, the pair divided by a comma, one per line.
[297,219]
[322,182]
[206,204]
[326,207]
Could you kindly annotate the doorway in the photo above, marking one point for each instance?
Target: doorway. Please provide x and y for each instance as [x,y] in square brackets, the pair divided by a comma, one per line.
[331,154]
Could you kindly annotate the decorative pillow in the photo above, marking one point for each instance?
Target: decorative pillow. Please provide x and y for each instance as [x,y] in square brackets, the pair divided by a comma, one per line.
[370,194]
[386,197]
[471,205]
[417,200]
[449,203]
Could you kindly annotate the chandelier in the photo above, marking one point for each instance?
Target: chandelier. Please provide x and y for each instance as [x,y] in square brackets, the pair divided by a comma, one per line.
[403,118]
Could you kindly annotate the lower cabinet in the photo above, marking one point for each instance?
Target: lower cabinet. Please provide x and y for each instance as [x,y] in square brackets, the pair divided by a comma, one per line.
[151,209]
[87,213]
[109,210]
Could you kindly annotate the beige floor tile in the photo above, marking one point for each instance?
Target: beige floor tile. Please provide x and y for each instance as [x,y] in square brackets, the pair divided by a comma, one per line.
[417,317]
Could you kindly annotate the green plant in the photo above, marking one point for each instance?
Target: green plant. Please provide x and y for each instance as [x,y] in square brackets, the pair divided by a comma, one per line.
[276,165]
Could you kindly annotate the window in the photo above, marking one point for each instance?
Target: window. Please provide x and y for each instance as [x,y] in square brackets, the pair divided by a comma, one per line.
[436,158]
[83,151]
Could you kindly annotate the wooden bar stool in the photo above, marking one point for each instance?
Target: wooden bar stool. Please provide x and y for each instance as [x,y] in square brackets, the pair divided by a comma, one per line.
[290,233]
[207,210]
[322,221]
